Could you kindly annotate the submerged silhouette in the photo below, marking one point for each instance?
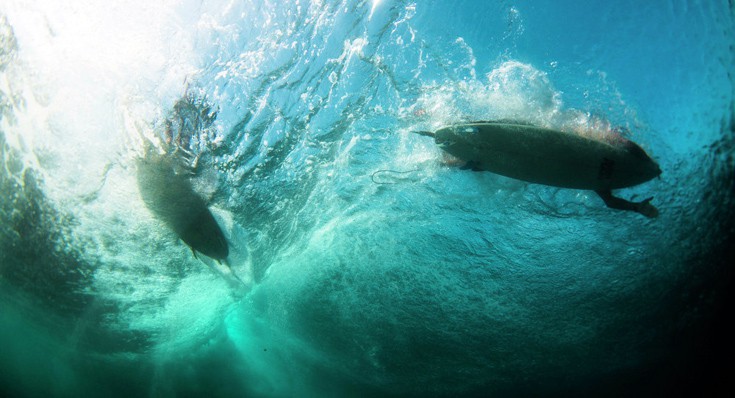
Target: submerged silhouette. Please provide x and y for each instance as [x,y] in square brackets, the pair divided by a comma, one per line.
[165,186]
[545,156]
[164,180]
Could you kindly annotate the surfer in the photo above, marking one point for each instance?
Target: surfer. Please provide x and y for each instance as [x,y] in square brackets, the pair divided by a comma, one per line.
[546,156]
[164,180]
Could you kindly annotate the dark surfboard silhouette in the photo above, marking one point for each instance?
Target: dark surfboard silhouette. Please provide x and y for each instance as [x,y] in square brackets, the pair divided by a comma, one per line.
[166,189]
[552,157]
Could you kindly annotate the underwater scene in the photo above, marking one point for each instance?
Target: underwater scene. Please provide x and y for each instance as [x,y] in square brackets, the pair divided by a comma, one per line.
[366,198]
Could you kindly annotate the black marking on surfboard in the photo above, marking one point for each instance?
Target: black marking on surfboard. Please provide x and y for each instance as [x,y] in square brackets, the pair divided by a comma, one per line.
[606,169]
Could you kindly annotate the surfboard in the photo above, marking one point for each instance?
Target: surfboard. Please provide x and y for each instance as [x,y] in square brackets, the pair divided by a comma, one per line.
[547,156]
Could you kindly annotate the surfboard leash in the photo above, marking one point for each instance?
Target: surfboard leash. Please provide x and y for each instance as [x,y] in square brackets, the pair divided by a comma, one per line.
[397,181]
[399,172]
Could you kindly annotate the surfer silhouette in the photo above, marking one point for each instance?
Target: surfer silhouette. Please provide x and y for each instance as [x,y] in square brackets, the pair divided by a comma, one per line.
[546,156]
[164,180]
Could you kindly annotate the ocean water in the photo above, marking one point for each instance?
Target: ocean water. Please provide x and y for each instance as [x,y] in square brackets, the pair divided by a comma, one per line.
[360,264]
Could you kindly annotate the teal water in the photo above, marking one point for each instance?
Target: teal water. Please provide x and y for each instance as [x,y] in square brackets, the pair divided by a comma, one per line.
[434,281]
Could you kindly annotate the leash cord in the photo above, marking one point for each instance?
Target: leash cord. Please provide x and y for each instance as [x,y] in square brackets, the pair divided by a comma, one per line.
[372,176]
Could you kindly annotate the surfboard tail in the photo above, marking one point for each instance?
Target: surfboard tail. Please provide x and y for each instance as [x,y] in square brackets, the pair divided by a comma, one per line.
[425,133]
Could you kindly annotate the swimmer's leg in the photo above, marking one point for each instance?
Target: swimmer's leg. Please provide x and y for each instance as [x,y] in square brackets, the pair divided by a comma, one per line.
[645,207]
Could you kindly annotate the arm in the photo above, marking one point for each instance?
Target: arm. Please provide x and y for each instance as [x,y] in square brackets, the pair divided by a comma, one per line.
[645,207]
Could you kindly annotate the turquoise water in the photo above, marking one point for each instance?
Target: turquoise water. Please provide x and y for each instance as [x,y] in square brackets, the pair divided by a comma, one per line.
[434,281]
